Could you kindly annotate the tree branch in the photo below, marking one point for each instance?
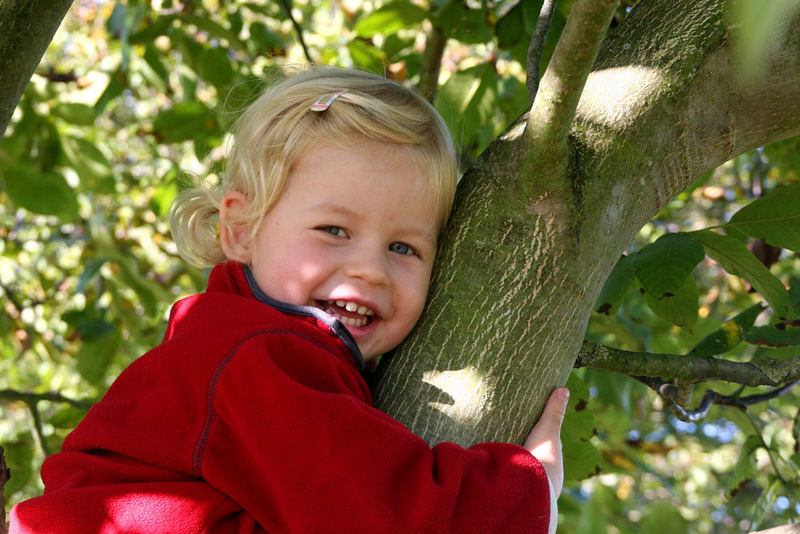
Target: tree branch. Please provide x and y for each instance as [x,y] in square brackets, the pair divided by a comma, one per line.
[560,88]
[431,63]
[26,28]
[287,6]
[677,406]
[33,398]
[537,45]
[761,372]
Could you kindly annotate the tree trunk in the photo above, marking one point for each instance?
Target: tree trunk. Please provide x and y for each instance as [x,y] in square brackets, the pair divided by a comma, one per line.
[26,28]
[532,239]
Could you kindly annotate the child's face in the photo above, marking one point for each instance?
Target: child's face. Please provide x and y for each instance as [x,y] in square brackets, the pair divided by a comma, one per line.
[354,234]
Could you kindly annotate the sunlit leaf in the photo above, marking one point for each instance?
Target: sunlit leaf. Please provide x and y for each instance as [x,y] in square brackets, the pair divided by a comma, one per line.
[729,334]
[366,57]
[664,265]
[93,168]
[735,258]
[75,113]
[390,19]
[46,193]
[775,218]
[466,102]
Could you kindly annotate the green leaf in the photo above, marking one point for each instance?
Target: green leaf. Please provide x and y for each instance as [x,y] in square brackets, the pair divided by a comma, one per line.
[390,19]
[581,457]
[366,57]
[729,334]
[777,335]
[785,155]
[464,24]
[679,308]
[101,342]
[467,102]
[153,59]
[737,260]
[93,168]
[75,113]
[217,69]
[184,121]
[663,517]
[164,194]
[775,218]
[745,468]
[46,193]
[616,285]
[511,28]
[265,40]
[664,265]
[116,85]
[19,459]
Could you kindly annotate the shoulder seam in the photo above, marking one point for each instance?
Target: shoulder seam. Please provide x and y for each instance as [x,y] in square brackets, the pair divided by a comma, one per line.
[211,390]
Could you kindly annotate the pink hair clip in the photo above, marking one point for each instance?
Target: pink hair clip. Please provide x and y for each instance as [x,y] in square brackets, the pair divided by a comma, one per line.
[319,105]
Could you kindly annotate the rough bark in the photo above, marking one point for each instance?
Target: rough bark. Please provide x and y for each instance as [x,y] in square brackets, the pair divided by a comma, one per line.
[5,474]
[26,28]
[521,265]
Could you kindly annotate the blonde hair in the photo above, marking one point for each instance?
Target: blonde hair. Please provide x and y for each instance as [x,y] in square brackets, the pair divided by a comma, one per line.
[279,128]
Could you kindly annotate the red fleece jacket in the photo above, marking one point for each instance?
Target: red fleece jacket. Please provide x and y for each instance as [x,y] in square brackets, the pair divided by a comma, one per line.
[246,419]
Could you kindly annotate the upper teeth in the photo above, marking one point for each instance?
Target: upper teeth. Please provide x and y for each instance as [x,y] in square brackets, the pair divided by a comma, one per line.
[354,307]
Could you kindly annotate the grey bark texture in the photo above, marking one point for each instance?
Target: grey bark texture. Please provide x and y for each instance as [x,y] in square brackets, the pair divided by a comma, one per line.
[26,28]
[534,236]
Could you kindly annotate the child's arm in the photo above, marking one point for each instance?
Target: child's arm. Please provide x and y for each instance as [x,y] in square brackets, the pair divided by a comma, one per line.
[303,452]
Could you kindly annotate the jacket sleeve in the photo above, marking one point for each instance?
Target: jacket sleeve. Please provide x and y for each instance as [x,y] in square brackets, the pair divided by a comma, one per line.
[290,437]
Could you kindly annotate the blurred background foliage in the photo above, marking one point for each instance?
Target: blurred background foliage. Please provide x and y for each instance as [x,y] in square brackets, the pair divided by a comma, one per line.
[131,103]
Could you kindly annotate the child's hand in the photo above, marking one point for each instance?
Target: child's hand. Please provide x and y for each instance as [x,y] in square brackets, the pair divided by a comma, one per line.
[544,441]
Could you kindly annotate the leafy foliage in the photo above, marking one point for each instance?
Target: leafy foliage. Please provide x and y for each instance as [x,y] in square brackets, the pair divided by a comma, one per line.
[133,100]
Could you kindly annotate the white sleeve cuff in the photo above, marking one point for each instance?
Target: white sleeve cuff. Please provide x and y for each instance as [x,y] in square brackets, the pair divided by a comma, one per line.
[553,508]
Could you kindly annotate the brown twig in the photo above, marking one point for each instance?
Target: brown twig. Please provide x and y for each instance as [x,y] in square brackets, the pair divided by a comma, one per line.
[537,46]
[287,6]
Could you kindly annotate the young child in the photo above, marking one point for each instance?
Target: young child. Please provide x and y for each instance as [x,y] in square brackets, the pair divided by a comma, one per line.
[252,415]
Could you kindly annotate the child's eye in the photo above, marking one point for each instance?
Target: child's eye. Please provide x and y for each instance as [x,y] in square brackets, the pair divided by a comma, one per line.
[333,230]
[402,248]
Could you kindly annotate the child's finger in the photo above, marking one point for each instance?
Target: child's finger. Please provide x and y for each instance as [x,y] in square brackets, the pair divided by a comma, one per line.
[554,411]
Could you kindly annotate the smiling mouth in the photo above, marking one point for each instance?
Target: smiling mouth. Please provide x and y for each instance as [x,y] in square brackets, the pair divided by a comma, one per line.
[348,312]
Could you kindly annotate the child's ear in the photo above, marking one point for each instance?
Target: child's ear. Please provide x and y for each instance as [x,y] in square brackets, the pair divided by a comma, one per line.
[234,234]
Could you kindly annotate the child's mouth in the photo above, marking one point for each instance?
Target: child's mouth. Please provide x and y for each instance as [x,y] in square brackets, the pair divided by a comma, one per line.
[348,312]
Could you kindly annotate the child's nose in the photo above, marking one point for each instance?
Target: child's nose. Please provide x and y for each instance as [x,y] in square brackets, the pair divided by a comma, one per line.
[369,265]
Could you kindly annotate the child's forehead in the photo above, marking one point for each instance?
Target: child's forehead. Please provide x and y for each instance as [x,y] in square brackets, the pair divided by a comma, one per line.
[370,167]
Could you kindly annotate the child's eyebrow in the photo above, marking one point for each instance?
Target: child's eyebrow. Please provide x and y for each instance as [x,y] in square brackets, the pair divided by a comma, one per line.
[336,208]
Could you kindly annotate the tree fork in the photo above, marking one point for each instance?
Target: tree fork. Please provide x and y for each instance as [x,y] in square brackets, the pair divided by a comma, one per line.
[26,28]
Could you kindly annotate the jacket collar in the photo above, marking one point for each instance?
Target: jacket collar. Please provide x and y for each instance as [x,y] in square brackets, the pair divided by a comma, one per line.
[336,326]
